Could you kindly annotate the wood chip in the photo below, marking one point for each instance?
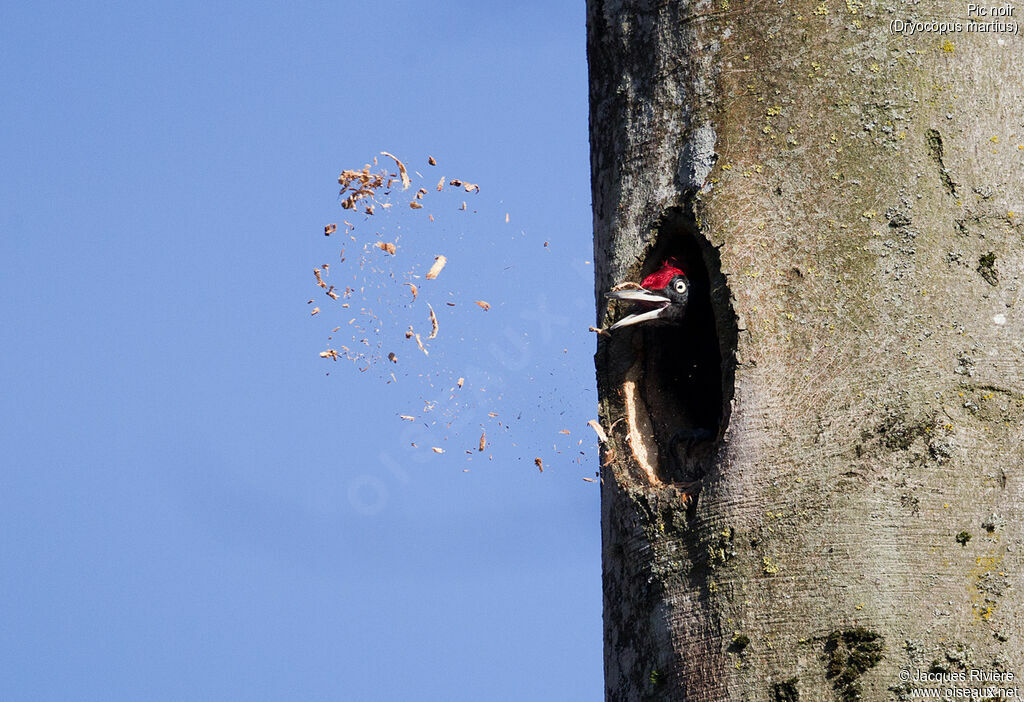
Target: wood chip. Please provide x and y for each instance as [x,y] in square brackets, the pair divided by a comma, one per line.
[319,280]
[461,381]
[599,430]
[330,229]
[404,174]
[433,323]
[407,418]
[483,441]
[431,161]
[419,342]
[415,205]
[564,431]
[414,291]
[485,305]
[316,310]
[392,357]
[506,218]
[589,480]
[386,246]
[435,270]
[329,353]
[435,449]
[539,463]
[440,184]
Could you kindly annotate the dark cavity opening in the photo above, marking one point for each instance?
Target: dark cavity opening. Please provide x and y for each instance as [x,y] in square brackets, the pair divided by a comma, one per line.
[689,367]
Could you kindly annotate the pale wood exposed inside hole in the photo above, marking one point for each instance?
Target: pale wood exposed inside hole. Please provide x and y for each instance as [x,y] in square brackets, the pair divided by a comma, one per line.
[641,433]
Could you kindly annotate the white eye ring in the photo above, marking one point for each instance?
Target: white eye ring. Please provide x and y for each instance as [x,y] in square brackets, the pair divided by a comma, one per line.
[680,286]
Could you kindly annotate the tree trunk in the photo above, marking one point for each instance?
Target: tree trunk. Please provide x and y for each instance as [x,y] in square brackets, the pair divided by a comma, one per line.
[848,393]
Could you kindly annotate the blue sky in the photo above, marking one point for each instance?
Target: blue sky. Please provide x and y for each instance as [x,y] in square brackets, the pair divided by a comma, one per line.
[194,504]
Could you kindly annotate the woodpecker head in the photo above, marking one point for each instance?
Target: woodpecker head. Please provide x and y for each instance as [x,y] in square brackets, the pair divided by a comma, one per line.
[662,296]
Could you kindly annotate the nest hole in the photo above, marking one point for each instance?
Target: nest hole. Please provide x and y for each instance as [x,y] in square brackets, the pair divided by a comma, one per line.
[689,367]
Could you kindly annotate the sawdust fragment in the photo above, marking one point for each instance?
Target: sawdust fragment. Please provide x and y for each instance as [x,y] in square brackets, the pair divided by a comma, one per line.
[433,323]
[599,430]
[402,172]
[435,270]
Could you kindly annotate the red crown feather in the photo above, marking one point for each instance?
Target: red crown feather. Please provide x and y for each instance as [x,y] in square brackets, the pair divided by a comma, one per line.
[659,279]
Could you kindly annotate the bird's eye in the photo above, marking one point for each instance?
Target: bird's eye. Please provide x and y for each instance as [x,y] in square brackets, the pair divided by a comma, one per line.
[679,287]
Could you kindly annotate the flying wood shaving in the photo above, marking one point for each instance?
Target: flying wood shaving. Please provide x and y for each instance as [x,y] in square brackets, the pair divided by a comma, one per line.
[492,414]
[415,205]
[485,305]
[329,353]
[420,193]
[599,430]
[589,480]
[435,270]
[461,381]
[539,463]
[336,329]
[433,323]
[407,418]
[564,431]
[404,174]
[319,280]
[330,229]
[506,218]
[413,290]
[431,161]
[330,293]
[435,449]
[316,310]
[463,208]
[392,357]
[386,246]
[440,184]
[419,342]
[483,441]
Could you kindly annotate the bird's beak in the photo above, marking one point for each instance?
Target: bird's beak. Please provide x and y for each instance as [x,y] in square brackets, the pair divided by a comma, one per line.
[643,296]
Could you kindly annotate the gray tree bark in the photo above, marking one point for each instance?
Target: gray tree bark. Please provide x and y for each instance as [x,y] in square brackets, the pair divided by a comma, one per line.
[853,201]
